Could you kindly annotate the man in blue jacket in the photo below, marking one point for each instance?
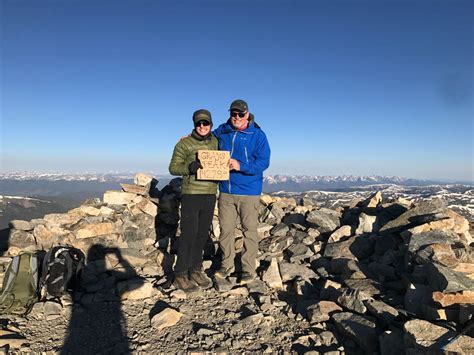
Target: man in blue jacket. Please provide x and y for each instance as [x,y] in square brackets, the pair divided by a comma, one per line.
[240,195]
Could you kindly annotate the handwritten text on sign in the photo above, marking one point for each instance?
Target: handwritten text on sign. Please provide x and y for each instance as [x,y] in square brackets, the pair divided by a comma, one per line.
[215,165]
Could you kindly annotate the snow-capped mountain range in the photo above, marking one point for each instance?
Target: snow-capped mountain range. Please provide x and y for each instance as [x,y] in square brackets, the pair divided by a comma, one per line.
[35,194]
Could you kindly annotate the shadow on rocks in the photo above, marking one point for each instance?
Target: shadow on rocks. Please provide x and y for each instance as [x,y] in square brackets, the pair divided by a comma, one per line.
[97,324]
[4,239]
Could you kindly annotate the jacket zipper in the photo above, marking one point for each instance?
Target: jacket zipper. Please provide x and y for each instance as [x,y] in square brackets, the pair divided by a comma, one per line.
[232,152]
[246,156]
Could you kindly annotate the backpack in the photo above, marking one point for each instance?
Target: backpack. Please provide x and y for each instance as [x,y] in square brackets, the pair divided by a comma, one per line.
[62,271]
[20,283]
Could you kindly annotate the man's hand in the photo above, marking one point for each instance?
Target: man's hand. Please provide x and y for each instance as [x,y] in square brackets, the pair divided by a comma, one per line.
[234,165]
[194,166]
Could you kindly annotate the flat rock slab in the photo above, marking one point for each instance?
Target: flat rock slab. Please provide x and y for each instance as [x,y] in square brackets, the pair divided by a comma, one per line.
[118,197]
[423,336]
[344,231]
[359,329]
[448,299]
[21,225]
[257,286]
[136,189]
[95,230]
[417,241]
[415,216]
[444,279]
[383,312]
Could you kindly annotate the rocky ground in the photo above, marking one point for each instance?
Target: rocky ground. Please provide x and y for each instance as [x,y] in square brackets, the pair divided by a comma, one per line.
[376,275]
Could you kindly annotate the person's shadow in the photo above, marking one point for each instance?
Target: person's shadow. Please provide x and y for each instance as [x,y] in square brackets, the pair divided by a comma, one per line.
[97,325]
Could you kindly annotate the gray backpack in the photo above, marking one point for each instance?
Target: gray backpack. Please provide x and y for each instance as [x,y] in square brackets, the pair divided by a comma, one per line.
[20,284]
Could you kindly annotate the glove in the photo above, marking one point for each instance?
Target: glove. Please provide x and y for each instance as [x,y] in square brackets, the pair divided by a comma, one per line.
[194,166]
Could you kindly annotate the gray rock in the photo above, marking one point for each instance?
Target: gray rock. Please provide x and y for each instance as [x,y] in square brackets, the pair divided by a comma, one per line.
[383,312]
[350,269]
[340,249]
[360,329]
[203,331]
[294,218]
[353,300]
[224,285]
[444,279]
[290,271]
[420,214]
[368,287]
[275,244]
[52,308]
[257,286]
[277,211]
[355,247]
[417,241]
[324,222]
[280,230]
[298,252]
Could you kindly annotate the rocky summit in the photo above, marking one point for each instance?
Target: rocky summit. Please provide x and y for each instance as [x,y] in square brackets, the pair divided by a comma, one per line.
[373,276]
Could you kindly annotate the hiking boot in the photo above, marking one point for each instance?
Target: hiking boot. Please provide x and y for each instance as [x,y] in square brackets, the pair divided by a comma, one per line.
[246,278]
[185,284]
[201,279]
[223,272]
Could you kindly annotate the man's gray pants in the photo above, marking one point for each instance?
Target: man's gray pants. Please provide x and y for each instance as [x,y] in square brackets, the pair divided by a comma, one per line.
[230,208]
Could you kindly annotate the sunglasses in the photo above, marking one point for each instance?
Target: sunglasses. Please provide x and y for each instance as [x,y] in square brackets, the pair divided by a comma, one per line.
[202,123]
[237,113]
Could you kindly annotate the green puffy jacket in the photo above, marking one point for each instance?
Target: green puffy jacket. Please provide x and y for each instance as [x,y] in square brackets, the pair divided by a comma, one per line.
[184,153]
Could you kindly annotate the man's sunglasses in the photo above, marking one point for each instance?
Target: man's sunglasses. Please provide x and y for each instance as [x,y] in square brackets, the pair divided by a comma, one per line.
[237,113]
[203,123]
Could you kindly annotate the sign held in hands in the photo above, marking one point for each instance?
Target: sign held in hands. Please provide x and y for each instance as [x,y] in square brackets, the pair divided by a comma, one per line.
[215,165]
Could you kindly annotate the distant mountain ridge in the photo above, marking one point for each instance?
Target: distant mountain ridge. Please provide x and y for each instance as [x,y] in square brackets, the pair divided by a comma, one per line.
[98,181]
[300,183]
[54,193]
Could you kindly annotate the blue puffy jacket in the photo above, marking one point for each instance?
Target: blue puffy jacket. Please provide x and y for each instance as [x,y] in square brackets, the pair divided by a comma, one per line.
[250,147]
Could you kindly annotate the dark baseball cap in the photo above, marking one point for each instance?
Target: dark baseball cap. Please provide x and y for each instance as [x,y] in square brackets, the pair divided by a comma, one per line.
[239,105]
[202,115]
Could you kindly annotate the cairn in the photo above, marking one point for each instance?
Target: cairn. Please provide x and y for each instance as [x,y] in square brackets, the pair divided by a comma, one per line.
[372,276]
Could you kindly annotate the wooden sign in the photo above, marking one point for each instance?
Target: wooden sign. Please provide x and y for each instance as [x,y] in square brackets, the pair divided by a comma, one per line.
[215,165]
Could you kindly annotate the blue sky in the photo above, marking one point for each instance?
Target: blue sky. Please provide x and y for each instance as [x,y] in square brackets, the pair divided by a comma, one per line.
[340,87]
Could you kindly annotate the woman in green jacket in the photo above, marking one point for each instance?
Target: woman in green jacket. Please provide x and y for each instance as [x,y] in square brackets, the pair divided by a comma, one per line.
[197,203]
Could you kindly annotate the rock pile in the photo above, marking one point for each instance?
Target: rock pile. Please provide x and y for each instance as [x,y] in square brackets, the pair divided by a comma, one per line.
[387,275]
[372,276]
